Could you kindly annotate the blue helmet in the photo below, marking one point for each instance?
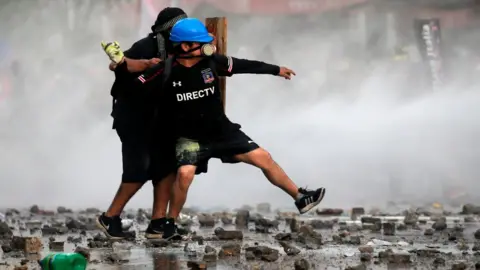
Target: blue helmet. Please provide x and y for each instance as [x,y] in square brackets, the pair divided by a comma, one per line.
[190,30]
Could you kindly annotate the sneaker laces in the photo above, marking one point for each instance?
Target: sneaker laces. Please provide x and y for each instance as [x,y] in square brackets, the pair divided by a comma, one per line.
[304,190]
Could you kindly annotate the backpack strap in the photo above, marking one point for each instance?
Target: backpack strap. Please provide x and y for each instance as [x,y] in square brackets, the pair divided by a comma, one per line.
[168,69]
[162,51]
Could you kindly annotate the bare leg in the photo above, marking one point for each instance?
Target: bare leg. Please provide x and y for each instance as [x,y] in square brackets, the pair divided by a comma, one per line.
[260,158]
[185,175]
[161,196]
[124,193]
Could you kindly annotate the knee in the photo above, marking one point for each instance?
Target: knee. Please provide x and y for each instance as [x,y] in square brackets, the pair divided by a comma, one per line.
[263,159]
[185,175]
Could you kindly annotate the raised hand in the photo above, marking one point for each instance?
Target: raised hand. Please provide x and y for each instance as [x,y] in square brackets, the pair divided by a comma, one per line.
[113,50]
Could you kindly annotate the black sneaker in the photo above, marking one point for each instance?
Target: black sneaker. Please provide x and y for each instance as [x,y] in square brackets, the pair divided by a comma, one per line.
[156,228]
[310,199]
[111,226]
[170,232]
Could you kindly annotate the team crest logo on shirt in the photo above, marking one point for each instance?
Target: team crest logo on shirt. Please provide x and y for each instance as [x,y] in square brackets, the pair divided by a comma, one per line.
[207,75]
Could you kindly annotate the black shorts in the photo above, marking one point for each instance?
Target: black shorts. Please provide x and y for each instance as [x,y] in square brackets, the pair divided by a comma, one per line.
[193,152]
[146,152]
[135,153]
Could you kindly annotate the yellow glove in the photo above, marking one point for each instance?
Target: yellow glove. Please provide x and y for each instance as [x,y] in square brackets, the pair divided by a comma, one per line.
[114,52]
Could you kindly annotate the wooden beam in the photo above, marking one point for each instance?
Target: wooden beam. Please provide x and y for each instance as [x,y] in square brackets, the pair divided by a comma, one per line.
[218,27]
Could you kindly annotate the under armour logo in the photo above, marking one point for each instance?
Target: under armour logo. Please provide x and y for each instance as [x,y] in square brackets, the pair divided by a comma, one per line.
[175,84]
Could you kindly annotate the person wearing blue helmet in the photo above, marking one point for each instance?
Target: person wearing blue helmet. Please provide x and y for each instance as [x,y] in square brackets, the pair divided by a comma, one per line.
[188,81]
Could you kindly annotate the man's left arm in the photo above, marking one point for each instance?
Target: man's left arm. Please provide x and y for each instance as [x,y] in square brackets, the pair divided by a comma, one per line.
[118,57]
[135,65]
[228,66]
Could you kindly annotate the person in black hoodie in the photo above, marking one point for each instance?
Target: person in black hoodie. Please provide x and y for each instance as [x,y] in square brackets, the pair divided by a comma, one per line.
[148,149]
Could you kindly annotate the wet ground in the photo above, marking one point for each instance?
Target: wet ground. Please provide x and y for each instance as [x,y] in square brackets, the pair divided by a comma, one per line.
[324,240]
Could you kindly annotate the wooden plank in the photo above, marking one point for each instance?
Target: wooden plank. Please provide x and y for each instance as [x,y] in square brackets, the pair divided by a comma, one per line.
[218,27]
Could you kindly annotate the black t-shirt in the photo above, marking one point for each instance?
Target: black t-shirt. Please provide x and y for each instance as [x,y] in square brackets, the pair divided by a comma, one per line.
[192,94]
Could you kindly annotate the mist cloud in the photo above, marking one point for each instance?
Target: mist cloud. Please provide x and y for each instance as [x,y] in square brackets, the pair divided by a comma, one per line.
[367,142]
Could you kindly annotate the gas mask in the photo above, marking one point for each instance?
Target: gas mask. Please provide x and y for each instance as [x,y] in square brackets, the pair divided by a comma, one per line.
[206,50]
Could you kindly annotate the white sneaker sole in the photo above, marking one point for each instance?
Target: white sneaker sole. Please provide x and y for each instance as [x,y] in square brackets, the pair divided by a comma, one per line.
[105,231]
[312,205]
[153,236]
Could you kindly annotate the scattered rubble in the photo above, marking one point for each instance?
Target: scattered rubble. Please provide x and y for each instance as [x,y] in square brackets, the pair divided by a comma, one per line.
[329,212]
[29,245]
[309,237]
[301,264]
[263,225]
[289,249]
[241,219]
[440,224]
[411,218]
[64,210]
[206,220]
[229,250]
[258,236]
[263,253]
[5,231]
[210,254]
[470,209]
[228,234]
[389,228]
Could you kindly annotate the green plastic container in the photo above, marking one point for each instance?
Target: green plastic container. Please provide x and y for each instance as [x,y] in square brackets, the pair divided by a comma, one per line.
[64,261]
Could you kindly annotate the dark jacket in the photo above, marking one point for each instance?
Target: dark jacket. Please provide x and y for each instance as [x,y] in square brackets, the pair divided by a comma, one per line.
[132,106]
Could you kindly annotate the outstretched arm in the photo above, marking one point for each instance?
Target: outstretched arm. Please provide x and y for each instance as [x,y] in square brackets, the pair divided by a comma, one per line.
[150,80]
[151,75]
[135,65]
[115,53]
[227,66]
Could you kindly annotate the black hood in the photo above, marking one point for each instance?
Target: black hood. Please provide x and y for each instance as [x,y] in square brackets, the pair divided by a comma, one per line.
[167,18]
